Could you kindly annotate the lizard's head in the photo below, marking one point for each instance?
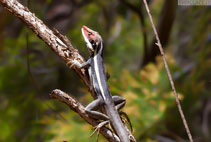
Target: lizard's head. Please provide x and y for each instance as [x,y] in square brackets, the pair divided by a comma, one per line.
[92,38]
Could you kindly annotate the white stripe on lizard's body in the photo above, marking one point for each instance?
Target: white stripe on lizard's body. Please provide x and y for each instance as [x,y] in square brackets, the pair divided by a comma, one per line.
[98,76]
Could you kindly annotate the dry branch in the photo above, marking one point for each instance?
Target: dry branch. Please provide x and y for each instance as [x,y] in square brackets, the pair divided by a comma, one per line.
[63,48]
[169,74]
[66,52]
[79,108]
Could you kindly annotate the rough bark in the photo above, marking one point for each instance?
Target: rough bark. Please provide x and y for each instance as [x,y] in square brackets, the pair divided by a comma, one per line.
[59,44]
[64,49]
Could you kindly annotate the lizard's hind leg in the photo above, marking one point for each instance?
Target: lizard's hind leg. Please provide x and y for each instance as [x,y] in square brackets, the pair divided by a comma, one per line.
[119,102]
[91,110]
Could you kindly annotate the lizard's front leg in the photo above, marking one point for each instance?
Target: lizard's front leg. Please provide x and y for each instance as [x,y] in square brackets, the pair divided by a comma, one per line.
[72,63]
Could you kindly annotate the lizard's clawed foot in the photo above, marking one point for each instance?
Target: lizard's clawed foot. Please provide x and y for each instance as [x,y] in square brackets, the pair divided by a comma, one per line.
[72,63]
[98,127]
[126,119]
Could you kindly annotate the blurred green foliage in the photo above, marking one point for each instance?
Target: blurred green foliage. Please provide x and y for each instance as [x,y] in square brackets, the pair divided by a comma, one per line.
[148,96]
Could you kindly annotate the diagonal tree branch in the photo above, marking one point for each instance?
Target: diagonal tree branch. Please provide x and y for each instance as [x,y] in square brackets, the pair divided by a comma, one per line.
[60,45]
[79,108]
[40,29]
[63,49]
[168,73]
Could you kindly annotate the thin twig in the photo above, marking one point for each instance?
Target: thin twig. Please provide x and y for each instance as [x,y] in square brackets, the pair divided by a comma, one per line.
[79,108]
[169,74]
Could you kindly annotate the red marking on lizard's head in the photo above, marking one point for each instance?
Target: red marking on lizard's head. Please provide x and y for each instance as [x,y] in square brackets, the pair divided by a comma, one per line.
[91,37]
[88,33]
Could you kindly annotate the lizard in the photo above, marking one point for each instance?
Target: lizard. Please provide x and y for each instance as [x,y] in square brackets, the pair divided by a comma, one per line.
[97,76]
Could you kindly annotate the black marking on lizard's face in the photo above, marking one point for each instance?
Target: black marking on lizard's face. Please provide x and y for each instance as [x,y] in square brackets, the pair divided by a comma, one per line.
[93,43]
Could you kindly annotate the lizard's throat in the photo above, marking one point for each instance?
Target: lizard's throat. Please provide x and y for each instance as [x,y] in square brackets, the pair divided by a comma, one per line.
[98,49]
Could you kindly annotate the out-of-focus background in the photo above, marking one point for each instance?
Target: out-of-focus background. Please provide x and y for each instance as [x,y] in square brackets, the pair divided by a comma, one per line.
[27,76]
